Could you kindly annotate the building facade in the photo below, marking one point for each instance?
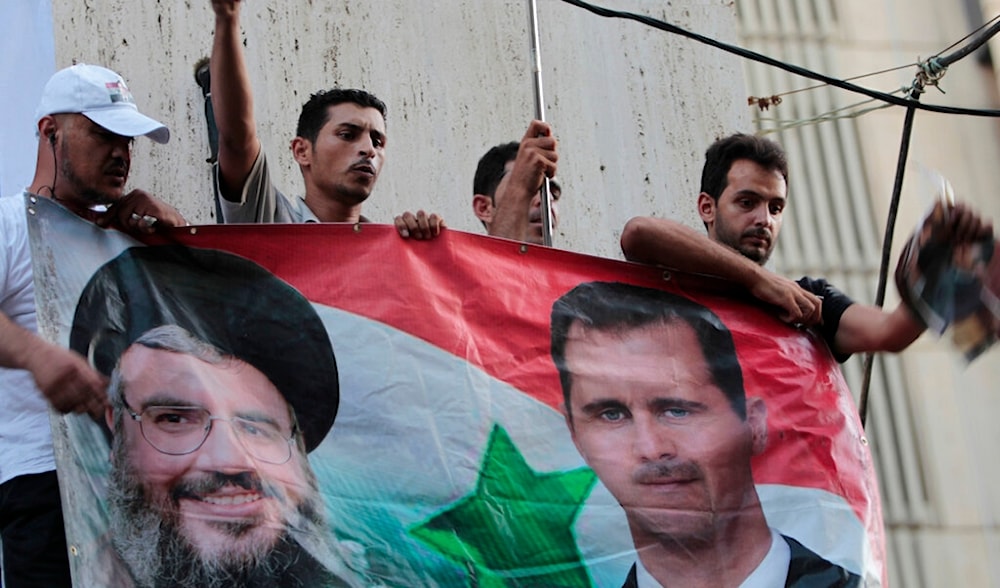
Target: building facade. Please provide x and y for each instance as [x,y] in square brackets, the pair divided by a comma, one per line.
[634,109]
[930,417]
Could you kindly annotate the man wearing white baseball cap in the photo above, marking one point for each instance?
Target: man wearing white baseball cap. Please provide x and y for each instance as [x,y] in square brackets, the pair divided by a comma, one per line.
[102,96]
[86,122]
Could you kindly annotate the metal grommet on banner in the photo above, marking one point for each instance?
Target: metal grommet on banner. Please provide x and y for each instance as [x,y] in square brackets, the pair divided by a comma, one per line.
[193,230]
[357,227]
[74,550]
[666,276]
[864,440]
[523,248]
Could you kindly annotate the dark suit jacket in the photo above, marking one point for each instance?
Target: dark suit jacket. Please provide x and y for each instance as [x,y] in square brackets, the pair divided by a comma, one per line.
[805,570]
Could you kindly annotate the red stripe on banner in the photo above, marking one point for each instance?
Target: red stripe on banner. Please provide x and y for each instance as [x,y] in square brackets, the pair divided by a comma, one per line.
[488,301]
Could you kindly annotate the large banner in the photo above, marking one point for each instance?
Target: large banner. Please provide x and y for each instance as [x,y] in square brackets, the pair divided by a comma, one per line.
[328,405]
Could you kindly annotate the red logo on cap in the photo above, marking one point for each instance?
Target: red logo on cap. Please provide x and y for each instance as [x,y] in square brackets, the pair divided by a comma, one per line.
[118,92]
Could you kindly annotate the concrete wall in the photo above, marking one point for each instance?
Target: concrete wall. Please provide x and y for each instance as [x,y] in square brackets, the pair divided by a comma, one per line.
[633,107]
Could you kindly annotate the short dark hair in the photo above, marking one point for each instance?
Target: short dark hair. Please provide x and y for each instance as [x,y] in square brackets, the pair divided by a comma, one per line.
[720,156]
[490,169]
[619,308]
[316,111]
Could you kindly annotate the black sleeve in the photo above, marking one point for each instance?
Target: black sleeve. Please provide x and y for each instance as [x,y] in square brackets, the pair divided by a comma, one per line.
[835,303]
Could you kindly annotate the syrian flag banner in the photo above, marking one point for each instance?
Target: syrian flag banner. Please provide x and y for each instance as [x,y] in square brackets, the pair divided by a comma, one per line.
[332,405]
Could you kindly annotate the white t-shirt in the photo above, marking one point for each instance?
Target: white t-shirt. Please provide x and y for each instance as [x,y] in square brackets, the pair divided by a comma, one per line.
[25,432]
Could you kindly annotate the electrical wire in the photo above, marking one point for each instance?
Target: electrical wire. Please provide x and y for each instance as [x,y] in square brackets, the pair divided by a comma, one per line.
[850,79]
[925,76]
[966,37]
[794,69]
[929,74]
[780,125]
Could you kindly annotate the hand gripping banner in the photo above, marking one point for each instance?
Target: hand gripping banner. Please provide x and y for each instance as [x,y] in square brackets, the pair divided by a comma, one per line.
[331,405]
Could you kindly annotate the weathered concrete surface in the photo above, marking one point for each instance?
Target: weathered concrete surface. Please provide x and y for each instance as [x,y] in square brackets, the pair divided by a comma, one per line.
[633,107]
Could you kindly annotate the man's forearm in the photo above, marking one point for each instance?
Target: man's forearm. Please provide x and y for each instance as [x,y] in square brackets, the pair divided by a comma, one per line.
[63,377]
[671,244]
[232,102]
[232,99]
[510,217]
[13,341]
[865,328]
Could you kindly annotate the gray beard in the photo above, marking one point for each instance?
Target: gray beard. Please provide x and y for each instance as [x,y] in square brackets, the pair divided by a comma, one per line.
[148,539]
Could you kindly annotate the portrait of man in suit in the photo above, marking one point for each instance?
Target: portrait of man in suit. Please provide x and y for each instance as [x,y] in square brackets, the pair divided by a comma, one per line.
[654,400]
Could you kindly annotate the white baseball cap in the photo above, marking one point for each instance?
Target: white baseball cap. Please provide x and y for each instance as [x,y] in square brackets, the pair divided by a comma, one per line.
[102,96]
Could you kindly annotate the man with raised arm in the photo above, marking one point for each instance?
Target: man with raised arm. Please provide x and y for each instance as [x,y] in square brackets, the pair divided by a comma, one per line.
[506,189]
[744,191]
[339,145]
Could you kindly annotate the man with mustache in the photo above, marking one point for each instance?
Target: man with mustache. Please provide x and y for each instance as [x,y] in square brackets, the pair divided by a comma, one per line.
[339,145]
[744,192]
[222,379]
[86,121]
[655,404]
[506,189]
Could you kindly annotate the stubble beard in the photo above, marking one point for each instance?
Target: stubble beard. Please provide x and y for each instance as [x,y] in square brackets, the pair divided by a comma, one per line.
[353,194]
[735,241]
[81,192]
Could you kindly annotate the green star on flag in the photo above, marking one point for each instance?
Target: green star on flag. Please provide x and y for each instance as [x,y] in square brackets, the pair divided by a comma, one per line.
[516,527]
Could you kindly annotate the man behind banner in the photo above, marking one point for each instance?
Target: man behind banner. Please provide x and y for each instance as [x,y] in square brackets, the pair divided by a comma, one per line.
[744,190]
[222,379]
[339,146]
[86,122]
[655,404]
[508,181]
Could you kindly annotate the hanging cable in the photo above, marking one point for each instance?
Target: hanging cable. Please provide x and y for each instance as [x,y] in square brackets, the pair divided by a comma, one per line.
[929,74]
[825,117]
[973,32]
[890,227]
[794,69]
[850,79]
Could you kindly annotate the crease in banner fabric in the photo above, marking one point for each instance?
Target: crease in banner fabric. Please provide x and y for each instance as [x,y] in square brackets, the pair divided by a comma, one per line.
[317,405]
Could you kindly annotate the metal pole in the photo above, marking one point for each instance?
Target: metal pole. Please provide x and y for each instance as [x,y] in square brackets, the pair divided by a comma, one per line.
[937,66]
[536,68]
[890,226]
